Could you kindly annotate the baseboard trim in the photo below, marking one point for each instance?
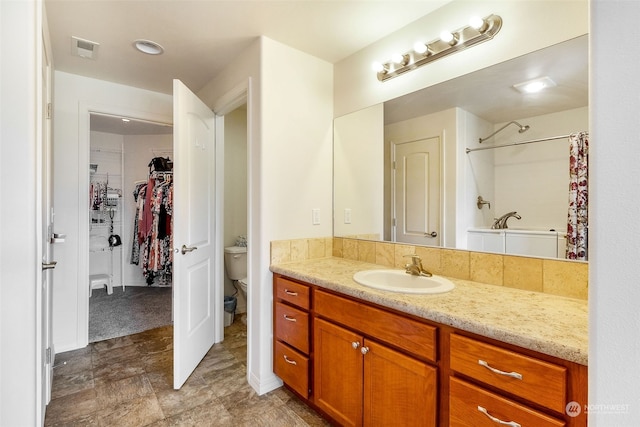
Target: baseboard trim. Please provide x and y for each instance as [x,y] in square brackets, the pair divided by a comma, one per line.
[270,383]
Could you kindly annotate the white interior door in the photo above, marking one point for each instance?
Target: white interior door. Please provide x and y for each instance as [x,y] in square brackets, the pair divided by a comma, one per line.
[193,232]
[417,191]
[47,230]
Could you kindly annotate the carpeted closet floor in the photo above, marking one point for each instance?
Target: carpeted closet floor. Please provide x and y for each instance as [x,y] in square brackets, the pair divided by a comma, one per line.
[127,312]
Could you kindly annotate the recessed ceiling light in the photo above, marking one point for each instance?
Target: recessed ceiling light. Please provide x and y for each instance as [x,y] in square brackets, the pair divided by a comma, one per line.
[535,85]
[125,120]
[149,47]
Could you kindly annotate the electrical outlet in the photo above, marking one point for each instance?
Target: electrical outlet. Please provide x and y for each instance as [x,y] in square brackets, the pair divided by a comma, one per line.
[315,216]
[347,216]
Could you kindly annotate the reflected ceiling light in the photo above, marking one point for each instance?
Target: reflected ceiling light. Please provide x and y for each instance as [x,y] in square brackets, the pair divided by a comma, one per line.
[479,30]
[148,46]
[125,120]
[535,85]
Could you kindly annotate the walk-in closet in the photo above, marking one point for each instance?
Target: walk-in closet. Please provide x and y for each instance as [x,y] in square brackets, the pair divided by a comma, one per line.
[130,239]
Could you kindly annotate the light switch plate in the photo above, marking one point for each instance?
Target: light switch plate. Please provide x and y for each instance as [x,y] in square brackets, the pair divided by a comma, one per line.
[315,216]
[347,215]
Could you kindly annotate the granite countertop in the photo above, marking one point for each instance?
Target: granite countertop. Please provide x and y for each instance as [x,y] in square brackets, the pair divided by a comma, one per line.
[549,324]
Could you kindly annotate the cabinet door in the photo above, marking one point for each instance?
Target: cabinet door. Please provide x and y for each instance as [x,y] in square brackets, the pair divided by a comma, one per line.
[337,374]
[398,389]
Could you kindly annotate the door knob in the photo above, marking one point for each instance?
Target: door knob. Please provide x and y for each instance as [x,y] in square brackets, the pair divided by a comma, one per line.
[49,265]
[432,234]
[186,249]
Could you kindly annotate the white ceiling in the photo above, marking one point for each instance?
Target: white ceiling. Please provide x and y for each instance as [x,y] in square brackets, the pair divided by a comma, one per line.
[200,37]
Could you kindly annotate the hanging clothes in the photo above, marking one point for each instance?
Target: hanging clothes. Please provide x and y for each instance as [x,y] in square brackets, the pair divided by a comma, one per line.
[578,218]
[153,238]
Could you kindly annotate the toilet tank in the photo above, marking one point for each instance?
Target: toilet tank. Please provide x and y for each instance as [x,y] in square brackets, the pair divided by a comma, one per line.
[235,262]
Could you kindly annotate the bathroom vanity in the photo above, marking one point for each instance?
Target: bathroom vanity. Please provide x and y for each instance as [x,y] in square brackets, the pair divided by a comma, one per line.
[477,355]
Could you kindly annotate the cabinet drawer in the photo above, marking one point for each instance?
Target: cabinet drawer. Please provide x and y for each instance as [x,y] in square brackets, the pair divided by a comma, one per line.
[407,334]
[293,292]
[292,367]
[539,381]
[292,326]
[472,406]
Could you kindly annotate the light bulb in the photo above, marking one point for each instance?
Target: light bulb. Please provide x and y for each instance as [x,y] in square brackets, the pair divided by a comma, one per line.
[446,36]
[420,47]
[399,59]
[377,67]
[477,23]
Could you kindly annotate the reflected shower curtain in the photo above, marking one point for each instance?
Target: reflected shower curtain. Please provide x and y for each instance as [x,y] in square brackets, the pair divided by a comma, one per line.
[578,219]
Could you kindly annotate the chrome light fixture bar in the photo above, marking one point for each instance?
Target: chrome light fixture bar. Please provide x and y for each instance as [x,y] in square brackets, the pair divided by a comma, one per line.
[479,30]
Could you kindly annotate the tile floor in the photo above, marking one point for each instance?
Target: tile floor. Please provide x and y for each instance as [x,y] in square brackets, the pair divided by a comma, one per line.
[127,381]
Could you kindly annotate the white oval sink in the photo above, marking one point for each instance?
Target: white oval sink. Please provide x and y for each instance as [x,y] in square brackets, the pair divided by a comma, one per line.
[400,281]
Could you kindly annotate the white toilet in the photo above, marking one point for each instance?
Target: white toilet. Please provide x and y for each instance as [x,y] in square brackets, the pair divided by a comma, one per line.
[235,262]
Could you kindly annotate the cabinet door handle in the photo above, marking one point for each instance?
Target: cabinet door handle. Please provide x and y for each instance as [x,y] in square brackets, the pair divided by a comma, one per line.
[355,345]
[290,319]
[286,359]
[364,350]
[498,420]
[288,292]
[498,371]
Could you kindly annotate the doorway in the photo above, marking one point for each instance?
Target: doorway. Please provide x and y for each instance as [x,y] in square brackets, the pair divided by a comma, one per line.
[235,204]
[129,291]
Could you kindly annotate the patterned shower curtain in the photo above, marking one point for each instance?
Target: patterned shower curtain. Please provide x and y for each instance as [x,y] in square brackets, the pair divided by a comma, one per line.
[578,219]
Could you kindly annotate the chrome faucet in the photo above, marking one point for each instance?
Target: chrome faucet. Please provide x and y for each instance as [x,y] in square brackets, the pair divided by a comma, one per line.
[501,223]
[415,267]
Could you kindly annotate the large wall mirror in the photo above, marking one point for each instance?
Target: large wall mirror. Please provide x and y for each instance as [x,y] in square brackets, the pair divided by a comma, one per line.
[413,170]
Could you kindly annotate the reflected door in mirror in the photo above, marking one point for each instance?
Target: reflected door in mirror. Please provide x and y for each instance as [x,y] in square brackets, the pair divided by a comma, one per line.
[417,191]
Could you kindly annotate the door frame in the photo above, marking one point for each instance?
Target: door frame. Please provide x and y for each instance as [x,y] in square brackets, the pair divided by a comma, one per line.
[85,110]
[229,101]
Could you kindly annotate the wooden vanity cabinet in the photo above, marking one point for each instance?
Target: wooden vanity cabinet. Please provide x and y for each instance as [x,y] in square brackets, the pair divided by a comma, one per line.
[291,349]
[365,365]
[359,380]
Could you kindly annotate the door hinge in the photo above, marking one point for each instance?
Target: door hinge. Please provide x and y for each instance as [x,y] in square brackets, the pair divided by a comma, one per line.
[47,355]
[393,222]
[394,165]
[49,108]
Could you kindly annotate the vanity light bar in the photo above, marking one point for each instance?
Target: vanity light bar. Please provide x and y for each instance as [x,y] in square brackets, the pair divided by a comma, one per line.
[478,31]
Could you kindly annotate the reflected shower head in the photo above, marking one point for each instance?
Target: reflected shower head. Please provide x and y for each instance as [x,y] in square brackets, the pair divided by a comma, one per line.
[521,130]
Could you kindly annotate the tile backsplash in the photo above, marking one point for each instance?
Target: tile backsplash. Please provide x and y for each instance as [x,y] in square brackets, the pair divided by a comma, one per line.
[553,276]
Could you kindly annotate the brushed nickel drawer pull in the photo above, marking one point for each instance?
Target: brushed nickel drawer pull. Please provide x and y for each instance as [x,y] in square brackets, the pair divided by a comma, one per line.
[498,371]
[288,292]
[290,319]
[498,420]
[293,362]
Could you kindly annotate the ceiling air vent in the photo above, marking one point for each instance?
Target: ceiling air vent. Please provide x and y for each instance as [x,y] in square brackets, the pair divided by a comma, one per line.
[84,48]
